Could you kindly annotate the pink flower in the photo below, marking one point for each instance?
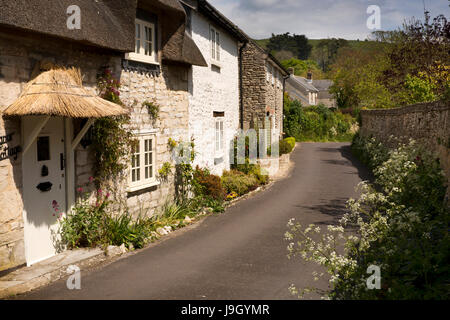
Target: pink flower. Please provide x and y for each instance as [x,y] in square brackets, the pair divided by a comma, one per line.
[91,179]
[99,191]
[80,190]
[108,195]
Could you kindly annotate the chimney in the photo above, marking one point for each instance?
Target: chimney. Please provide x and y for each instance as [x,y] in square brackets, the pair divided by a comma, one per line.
[309,77]
[291,71]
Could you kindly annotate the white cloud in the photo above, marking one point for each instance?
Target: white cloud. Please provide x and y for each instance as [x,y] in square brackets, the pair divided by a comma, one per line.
[321,18]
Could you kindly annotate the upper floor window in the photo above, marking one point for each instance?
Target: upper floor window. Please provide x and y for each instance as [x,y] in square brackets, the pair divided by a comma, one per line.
[145,46]
[215,44]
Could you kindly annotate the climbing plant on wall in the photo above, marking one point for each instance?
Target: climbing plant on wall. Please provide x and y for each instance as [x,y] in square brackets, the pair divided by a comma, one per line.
[111,140]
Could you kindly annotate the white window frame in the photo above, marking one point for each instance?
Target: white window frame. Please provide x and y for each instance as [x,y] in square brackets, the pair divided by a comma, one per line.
[139,54]
[142,182]
[214,36]
[219,139]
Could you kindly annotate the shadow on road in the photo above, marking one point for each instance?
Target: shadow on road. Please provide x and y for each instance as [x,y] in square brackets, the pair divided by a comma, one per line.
[334,209]
[346,152]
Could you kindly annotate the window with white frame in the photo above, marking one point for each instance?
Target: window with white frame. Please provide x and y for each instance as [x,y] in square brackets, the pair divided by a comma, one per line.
[215,44]
[145,42]
[219,142]
[143,162]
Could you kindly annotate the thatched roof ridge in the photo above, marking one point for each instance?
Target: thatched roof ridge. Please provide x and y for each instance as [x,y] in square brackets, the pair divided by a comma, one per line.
[104,23]
[60,92]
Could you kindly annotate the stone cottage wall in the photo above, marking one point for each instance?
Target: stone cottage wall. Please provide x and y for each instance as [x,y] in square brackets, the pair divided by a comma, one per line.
[274,100]
[19,56]
[428,123]
[254,85]
[167,88]
[259,95]
[213,89]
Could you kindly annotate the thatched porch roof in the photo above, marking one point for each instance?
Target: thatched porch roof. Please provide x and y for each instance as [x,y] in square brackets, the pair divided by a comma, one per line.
[60,92]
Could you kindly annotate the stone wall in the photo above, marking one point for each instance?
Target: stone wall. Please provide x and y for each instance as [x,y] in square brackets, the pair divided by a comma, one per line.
[168,88]
[12,250]
[260,96]
[254,85]
[428,123]
[213,89]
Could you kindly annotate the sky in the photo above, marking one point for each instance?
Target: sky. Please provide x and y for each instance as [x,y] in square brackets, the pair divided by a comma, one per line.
[319,19]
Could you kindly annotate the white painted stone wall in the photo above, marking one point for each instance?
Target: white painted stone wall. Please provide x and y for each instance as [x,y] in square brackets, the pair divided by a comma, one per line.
[213,91]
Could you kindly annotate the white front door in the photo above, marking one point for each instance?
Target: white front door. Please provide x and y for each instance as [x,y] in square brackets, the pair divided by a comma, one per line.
[44,192]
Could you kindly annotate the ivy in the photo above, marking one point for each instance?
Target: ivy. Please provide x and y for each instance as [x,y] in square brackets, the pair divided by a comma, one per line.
[111,140]
[152,108]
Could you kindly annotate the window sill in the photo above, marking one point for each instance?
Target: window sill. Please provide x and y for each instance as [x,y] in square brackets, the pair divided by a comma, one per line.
[143,186]
[216,64]
[140,58]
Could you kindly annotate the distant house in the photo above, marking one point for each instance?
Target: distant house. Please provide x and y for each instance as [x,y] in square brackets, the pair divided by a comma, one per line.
[310,92]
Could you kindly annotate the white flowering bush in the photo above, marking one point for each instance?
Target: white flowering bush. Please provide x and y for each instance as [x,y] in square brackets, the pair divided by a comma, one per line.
[400,224]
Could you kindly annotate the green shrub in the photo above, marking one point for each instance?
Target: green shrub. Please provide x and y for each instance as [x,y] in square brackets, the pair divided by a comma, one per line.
[207,184]
[256,171]
[290,141]
[287,145]
[122,229]
[90,225]
[399,224]
[239,182]
[316,123]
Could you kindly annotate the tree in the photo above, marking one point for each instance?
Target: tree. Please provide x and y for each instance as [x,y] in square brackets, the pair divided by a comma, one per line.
[420,48]
[326,51]
[297,44]
[405,66]
[301,67]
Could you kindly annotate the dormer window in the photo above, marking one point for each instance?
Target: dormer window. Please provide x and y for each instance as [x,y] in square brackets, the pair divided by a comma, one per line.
[145,46]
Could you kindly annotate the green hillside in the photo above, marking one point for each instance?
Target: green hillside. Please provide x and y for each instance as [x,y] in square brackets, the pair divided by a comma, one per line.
[321,56]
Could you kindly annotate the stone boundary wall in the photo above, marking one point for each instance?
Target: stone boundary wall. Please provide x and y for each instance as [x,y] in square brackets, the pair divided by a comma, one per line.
[428,123]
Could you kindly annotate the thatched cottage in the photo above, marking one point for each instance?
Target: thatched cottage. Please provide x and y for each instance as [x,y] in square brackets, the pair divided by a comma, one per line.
[51,53]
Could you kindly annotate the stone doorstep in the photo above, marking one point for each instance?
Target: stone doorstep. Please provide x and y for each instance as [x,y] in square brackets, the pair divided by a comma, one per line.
[40,274]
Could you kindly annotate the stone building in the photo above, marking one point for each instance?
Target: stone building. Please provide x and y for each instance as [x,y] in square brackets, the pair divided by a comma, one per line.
[310,92]
[145,45]
[214,90]
[262,89]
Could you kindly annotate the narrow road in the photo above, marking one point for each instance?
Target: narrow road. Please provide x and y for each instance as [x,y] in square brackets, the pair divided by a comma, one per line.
[240,254]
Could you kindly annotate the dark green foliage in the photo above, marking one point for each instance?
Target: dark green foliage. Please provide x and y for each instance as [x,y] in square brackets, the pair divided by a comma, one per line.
[316,123]
[297,44]
[326,51]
